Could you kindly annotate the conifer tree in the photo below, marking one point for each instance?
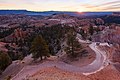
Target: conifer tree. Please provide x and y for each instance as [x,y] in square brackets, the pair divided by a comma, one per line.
[39,48]
[73,45]
[91,30]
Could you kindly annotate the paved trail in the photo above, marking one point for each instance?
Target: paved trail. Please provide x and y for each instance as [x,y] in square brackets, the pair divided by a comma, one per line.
[99,63]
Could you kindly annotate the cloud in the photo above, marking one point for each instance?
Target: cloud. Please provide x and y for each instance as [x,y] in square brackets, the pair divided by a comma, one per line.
[111,8]
[70,5]
[113,5]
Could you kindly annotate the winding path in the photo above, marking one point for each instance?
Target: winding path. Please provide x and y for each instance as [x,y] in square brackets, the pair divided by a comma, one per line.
[99,63]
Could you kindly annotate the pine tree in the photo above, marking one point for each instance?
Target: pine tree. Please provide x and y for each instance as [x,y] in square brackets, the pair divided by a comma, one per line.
[39,48]
[73,45]
[5,60]
[83,34]
[91,30]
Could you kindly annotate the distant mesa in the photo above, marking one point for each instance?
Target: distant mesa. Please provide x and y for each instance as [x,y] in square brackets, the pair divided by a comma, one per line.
[49,13]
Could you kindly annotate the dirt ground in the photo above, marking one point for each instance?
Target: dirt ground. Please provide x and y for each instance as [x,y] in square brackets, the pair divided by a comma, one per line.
[53,73]
[81,61]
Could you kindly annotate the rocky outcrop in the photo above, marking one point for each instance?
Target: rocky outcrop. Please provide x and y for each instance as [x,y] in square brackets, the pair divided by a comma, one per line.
[108,35]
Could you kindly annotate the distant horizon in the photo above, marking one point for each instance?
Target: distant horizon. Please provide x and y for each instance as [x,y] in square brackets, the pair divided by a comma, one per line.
[52,10]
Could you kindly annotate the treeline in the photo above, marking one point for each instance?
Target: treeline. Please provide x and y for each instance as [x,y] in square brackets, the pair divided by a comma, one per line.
[87,34]
[53,36]
[41,42]
[111,19]
[74,49]
[6,33]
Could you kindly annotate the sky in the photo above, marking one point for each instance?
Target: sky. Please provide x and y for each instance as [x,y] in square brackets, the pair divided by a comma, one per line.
[61,5]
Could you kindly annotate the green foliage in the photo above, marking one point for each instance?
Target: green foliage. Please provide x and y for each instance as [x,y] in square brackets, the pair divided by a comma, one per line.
[53,36]
[6,33]
[74,46]
[12,55]
[91,30]
[39,48]
[83,34]
[15,55]
[5,61]
[20,56]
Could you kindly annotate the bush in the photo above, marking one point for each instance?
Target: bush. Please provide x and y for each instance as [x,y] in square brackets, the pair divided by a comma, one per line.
[5,61]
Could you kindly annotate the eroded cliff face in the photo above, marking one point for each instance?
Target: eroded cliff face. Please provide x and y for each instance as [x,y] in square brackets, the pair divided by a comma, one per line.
[108,35]
[111,36]
[116,54]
